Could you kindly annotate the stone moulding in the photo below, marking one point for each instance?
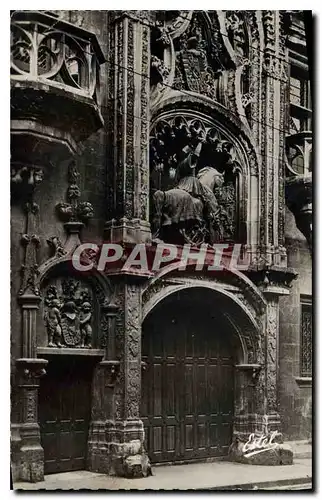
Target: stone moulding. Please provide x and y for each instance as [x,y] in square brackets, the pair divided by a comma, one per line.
[253,368]
[53,351]
[304,381]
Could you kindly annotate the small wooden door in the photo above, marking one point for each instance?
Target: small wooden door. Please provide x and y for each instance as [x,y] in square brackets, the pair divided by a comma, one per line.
[187,387]
[64,413]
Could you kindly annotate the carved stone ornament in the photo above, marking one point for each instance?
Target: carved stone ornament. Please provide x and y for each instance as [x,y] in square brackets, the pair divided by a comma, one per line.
[29,269]
[73,210]
[24,179]
[192,60]
[29,368]
[111,372]
[189,47]
[235,25]
[194,175]
[68,314]
[56,246]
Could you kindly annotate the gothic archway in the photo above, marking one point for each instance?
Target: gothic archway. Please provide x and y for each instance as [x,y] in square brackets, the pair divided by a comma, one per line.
[185,326]
[195,132]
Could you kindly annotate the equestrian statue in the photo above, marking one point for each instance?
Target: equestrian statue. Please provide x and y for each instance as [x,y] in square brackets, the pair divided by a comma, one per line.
[189,212]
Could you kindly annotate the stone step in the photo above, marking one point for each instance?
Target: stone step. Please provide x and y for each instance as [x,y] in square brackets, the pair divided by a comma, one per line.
[299,483]
[306,486]
[301,449]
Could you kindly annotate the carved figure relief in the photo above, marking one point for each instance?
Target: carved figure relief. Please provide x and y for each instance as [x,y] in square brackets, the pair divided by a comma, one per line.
[52,321]
[68,315]
[234,21]
[194,180]
[85,322]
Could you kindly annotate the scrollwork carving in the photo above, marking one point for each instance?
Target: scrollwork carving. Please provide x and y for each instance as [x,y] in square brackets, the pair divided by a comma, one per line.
[133,346]
[31,405]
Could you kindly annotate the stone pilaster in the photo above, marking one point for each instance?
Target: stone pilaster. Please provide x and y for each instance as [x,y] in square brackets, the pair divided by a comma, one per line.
[27,455]
[27,452]
[126,436]
[129,87]
[103,403]
[247,400]
[272,341]
[272,142]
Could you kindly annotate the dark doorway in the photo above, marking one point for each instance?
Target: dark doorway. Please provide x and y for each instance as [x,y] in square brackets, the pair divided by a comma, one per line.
[64,413]
[188,384]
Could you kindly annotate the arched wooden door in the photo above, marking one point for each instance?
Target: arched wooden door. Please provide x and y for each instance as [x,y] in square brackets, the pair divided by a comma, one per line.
[187,386]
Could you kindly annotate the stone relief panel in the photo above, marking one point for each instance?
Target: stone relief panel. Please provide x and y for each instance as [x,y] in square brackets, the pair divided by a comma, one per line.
[68,314]
[196,180]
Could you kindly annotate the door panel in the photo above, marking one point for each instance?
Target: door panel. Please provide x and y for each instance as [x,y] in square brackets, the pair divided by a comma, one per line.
[64,413]
[187,393]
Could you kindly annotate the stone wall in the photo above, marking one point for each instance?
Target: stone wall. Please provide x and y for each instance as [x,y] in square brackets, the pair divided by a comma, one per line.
[295,398]
[91,163]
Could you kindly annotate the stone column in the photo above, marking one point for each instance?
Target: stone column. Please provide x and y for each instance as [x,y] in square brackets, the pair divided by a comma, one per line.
[128,222]
[128,128]
[128,454]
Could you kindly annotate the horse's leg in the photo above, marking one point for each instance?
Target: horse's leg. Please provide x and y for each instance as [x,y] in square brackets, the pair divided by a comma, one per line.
[158,202]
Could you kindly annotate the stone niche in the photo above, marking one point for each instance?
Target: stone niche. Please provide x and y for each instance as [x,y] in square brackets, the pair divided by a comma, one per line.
[197,181]
[70,314]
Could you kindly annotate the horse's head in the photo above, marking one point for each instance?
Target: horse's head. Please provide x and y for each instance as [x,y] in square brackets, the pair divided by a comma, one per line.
[210,177]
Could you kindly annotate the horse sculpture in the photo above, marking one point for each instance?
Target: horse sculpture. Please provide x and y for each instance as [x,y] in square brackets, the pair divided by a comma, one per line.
[189,213]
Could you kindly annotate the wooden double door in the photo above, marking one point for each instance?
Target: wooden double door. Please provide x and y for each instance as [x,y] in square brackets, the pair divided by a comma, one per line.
[64,413]
[188,384]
